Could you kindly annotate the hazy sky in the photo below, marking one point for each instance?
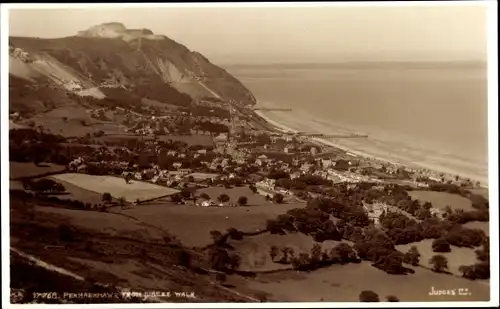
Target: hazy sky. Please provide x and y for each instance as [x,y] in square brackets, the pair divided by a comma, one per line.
[231,34]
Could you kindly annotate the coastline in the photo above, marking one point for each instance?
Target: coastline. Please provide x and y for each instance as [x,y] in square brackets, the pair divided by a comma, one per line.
[429,169]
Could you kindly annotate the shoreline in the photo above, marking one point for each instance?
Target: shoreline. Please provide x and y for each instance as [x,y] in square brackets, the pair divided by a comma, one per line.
[428,169]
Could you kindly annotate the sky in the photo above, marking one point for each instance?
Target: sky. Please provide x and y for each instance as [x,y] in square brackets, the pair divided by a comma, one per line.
[287,34]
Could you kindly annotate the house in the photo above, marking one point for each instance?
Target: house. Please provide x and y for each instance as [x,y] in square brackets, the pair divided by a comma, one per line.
[326,163]
[207,203]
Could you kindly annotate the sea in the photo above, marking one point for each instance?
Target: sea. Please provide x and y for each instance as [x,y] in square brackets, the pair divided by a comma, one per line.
[427,114]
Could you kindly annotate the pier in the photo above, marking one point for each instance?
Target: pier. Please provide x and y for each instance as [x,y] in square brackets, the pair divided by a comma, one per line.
[272,109]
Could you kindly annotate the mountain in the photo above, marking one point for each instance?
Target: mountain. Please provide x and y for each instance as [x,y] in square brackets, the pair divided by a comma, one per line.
[107,59]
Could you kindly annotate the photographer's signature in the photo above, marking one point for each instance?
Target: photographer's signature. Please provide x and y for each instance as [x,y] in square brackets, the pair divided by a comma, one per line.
[449,292]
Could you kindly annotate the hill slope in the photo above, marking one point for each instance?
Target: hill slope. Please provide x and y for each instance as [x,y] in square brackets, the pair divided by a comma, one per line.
[111,56]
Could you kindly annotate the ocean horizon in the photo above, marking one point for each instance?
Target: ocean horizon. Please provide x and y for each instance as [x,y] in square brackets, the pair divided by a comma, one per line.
[427,114]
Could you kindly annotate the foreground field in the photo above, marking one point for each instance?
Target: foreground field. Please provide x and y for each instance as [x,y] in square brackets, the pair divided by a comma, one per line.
[117,187]
[442,199]
[344,283]
[456,258]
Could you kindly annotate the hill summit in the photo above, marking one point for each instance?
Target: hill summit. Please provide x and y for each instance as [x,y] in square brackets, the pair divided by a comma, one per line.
[111,56]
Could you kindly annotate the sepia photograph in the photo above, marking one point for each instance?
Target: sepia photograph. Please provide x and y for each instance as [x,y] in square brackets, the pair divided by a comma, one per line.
[327,154]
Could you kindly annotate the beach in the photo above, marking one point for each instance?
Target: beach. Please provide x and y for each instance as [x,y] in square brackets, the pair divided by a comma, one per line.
[424,118]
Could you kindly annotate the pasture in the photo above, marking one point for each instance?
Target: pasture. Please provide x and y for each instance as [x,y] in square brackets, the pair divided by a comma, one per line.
[342,283]
[117,187]
[29,169]
[107,223]
[484,226]
[442,199]
[456,258]
[192,224]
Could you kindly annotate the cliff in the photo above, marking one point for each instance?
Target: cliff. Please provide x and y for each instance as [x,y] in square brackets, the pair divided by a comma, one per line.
[111,56]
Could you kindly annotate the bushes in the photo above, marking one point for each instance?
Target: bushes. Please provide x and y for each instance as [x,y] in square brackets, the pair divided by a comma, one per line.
[278,198]
[439,263]
[368,296]
[242,201]
[441,245]
[412,257]
[66,233]
[464,237]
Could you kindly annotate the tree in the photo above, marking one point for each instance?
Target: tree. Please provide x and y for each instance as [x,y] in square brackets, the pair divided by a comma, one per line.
[302,262]
[392,298]
[253,188]
[439,263]
[368,296]
[412,257]
[66,233]
[393,263]
[273,252]
[121,201]
[106,197]
[316,253]
[467,271]
[287,254]
[184,258]
[221,277]
[205,196]
[223,198]
[242,200]
[234,233]
[216,236]
[176,198]
[128,177]
[440,245]
[278,198]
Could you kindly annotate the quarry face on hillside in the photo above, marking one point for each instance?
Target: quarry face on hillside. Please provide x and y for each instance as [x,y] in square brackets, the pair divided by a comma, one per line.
[111,56]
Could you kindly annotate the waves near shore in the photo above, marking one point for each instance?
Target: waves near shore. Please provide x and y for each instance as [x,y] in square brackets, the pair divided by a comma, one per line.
[430,117]
[377,147]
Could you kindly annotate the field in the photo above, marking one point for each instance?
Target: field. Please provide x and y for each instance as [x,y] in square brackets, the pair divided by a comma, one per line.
[107,223]
[442,199]
[22,169]
[235,193]
[117,187]
[456,258]
[67,121]
[344,283]
[192,224]
[254,250]
[74,192]
[484,226]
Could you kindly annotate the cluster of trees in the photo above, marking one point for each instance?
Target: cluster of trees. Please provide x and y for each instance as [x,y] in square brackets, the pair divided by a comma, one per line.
[344,209]
[211,126]
[45,200]
[441,245]
[461,217]
[44,185]
[317,258]
[155,89]
[481,269]
[372,297]
[218,256]
[27,145]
